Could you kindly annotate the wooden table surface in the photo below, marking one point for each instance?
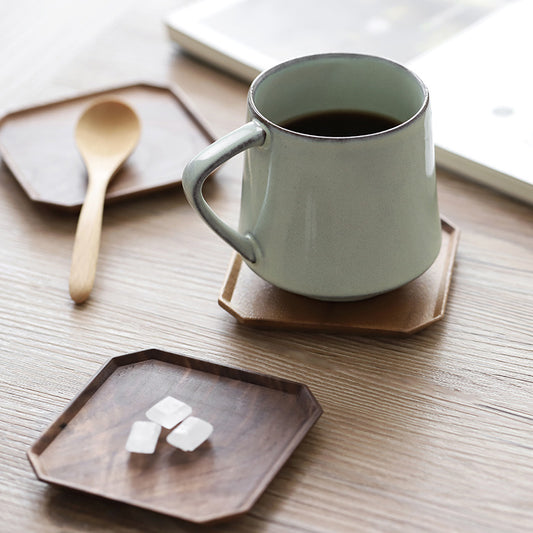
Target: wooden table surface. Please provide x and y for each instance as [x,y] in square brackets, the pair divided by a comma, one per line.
[428,433]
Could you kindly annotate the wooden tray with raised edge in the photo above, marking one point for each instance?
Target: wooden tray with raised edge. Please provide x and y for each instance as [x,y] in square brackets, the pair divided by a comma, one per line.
[38,145]
[404,311]
[258,422]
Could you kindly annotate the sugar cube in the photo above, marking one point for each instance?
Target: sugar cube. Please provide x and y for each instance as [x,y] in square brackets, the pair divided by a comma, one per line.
[143,437]
[190,434]
[168,412]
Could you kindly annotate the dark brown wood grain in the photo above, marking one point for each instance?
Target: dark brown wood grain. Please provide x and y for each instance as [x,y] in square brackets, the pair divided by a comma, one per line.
[38,145]
[259,420]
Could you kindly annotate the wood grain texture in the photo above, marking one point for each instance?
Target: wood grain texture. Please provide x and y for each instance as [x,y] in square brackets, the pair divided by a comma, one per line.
[427,433]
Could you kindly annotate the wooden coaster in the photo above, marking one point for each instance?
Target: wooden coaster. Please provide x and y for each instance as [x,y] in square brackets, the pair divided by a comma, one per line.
[258,422]
[38,146]
[255,302]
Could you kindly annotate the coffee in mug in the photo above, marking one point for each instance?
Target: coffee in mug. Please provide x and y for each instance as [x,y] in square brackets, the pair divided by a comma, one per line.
[340,123]
[339,198]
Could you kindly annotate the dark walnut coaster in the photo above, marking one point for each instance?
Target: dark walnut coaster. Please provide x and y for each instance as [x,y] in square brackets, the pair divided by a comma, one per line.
[255,302]
[38,145]
[258,422]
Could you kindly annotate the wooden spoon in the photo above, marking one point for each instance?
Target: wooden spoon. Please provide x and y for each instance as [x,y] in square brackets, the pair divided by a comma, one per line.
[106,134]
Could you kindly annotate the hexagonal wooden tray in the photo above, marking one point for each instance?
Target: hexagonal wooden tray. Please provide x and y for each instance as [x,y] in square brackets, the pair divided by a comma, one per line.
[258,422]
[255,302]
[38,145]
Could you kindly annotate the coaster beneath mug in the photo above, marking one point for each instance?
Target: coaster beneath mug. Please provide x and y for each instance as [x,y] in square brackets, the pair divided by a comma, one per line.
[406,310]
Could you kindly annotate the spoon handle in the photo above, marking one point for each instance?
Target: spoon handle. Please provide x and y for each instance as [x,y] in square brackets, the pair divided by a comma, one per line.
[87,243]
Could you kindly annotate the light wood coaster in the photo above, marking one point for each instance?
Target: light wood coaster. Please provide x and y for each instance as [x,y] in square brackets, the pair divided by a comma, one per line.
[255,302]
[258,422]
[39,148]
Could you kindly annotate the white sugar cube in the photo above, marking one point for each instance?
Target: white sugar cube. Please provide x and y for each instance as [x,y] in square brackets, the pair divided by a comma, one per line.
[168,412]
[143,437]
[190,434]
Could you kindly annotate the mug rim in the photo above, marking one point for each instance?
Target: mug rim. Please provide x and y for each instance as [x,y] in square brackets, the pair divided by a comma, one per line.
[285,64]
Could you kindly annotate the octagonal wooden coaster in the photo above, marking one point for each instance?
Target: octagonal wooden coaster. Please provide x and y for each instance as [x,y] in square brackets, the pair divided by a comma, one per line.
[255,302]
[258,422]
[38,145]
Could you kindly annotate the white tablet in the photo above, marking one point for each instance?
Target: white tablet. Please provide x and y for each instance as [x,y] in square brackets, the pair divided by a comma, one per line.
[481,87]
[474,58]
[246,36]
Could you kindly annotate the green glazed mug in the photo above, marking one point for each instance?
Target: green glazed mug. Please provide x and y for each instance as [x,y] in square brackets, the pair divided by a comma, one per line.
[331,217]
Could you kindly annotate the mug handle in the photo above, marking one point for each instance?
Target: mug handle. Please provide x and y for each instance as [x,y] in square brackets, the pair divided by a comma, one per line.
[204,164]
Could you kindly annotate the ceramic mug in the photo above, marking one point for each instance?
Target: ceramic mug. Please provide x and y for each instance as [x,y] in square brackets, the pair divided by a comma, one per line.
[333,218]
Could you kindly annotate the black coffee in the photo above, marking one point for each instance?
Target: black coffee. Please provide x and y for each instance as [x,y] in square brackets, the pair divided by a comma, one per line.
[340,123]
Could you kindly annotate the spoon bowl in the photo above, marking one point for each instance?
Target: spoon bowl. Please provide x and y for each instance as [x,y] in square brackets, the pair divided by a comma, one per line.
[106,134]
